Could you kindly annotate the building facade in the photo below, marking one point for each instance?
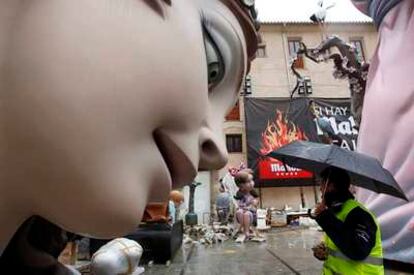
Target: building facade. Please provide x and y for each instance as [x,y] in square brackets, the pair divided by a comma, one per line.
[271,76]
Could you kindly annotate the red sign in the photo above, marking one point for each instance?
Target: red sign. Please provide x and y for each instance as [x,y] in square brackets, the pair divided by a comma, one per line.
[273,169]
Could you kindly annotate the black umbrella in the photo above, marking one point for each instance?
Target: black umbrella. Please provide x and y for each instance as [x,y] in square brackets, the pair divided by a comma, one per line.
[365,171]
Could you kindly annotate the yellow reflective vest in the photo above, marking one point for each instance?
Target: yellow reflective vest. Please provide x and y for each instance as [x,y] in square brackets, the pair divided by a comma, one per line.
[339,263]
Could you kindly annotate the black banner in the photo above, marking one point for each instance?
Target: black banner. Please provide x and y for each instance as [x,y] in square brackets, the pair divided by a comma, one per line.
[274,122]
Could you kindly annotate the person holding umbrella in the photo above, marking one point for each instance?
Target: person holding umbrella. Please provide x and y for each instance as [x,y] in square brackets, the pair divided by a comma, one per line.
[352,236]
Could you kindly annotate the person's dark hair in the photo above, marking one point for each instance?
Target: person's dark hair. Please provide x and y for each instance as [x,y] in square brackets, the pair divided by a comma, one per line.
[339,177]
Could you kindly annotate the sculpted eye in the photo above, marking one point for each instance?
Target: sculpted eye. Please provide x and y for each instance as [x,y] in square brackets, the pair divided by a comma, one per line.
[215,63]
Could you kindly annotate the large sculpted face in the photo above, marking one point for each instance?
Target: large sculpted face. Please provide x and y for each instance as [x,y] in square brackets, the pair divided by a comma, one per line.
[108,105]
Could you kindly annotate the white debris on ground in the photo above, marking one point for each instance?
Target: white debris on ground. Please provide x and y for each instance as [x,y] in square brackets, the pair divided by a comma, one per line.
[208,234]
[216,233]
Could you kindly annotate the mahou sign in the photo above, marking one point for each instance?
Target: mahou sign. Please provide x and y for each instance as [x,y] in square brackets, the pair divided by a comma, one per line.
[272,123]
[273,169]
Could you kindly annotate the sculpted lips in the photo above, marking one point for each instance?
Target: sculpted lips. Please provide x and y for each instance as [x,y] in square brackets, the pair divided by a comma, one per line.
[181,169]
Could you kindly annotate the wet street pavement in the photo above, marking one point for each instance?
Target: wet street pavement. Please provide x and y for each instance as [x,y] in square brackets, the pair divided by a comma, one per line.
[286,251]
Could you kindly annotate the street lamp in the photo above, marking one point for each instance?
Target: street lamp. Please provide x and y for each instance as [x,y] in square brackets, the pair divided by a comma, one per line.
[191,217]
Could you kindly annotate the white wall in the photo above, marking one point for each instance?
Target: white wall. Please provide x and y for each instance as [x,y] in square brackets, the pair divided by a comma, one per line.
[201,198]
[277,197]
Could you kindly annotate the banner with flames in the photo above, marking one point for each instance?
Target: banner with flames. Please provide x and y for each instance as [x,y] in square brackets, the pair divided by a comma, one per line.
[274,122]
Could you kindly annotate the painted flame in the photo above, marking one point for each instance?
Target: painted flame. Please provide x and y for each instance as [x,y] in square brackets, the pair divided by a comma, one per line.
[280,132]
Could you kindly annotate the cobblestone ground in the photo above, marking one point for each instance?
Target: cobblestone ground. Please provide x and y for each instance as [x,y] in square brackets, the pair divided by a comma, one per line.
[286,251]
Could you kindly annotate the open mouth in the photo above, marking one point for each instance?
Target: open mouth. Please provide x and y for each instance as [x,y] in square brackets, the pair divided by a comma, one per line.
[181,169]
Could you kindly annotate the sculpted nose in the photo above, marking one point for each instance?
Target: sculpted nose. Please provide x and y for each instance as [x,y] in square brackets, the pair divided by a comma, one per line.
[213,152]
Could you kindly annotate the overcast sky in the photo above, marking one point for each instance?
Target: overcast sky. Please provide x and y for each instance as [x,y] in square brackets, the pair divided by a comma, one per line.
[301,10]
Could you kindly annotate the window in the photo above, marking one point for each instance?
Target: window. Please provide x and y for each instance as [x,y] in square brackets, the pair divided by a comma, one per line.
[234,143]
[358,44]
[247,86]
[234,113]
[261,51]
[294,46]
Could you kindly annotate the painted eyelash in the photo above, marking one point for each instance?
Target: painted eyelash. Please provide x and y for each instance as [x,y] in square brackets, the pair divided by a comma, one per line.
[215,63]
